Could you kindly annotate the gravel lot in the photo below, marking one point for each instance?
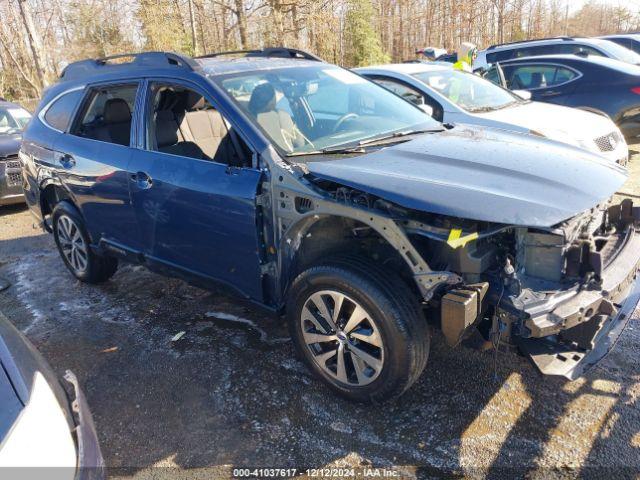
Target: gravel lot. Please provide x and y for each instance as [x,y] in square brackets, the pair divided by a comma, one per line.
[230,393]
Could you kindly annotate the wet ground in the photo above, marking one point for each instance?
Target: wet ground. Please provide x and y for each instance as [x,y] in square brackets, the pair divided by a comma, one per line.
[229,393]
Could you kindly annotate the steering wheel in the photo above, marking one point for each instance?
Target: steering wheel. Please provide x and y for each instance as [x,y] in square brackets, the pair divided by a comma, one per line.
[344,118]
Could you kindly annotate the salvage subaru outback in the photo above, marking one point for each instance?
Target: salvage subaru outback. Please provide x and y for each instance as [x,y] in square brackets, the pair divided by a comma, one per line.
[312,191]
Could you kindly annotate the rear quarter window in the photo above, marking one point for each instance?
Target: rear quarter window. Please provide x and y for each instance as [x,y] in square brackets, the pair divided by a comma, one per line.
[59,113]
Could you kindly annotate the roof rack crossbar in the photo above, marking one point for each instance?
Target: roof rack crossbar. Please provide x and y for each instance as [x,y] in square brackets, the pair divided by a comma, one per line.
[140,59]
[283,52]
[529,41]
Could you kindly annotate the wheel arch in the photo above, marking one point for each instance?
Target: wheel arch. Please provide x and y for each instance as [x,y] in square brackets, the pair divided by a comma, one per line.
[318,236]
[52,193]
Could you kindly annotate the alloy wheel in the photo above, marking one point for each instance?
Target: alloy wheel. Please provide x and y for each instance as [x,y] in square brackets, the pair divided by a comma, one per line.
[72,244]
[342,337]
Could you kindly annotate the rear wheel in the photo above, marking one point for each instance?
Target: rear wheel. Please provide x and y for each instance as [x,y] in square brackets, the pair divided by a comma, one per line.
[73,244]
[359,328]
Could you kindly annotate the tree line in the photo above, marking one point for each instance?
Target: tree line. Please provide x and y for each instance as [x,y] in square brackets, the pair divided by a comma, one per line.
[39,37]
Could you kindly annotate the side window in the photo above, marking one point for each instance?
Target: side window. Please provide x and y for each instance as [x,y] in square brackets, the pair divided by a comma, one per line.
[563,75]
[59,113]
[404,91]
[574,48]
[182,122]
[536,51]
[106,115]
[492,75]
[529,77]
[500,56]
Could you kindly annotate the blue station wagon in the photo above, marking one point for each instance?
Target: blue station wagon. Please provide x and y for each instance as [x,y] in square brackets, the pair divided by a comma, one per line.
[313,192]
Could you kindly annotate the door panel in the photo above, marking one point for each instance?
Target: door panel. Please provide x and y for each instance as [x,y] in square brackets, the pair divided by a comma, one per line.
[96,174]
[198,215]
[91,161]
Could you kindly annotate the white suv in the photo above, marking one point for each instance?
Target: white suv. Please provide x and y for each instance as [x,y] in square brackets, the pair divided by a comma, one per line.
[550,46]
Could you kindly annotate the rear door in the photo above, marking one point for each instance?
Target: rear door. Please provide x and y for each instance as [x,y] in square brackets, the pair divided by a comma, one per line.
[195,200]
[91,162]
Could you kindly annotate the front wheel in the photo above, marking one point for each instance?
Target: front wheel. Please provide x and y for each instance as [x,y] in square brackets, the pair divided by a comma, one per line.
[73,244]
[359,328]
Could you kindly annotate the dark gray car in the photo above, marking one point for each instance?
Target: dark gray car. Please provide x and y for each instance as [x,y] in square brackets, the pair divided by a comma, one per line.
[13,120]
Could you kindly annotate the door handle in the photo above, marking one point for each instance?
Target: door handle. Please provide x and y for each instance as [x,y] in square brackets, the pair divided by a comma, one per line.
[142,180]
[67,161]
[550,93]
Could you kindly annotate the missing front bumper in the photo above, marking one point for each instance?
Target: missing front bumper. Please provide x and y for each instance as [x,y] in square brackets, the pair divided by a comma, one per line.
[553,357]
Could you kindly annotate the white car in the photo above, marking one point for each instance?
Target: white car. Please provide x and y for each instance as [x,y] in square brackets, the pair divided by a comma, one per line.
[453,96]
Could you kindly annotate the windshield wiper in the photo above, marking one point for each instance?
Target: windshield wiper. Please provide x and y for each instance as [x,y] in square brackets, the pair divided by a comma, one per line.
[358,148]
[404,133]
[328,151]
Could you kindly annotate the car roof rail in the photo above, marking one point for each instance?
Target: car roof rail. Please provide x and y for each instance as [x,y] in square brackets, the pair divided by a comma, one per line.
[141,59]
[492,47]
[278,52]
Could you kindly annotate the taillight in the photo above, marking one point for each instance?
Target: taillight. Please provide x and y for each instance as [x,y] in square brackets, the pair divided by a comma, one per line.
[636,90]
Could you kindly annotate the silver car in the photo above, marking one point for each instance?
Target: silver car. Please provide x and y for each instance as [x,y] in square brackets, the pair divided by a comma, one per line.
[453,96]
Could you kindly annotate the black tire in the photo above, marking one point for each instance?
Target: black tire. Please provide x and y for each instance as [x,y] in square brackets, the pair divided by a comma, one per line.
[393,308]
[96,268]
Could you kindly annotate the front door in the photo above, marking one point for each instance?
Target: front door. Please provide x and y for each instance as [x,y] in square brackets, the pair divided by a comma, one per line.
[194,191]
[547,82]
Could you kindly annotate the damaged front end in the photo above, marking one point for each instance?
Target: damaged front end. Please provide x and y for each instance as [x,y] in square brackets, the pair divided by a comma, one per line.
[562,294]
[594,258]
[500,232]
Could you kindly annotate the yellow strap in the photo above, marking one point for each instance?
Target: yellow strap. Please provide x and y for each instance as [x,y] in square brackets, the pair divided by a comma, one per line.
[455,240]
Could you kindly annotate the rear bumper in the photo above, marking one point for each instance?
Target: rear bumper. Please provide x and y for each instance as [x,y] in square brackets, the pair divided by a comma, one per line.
[576,332]
[90,462]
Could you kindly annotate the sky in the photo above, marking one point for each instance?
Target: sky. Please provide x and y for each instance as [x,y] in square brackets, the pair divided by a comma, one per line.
[631,4]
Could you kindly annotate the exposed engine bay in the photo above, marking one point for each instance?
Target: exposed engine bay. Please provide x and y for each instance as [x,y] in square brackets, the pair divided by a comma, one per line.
[553,292]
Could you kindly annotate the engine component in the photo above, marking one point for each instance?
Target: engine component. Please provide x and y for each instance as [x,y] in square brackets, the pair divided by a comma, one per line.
[460,309]
[472,259]
[543,255]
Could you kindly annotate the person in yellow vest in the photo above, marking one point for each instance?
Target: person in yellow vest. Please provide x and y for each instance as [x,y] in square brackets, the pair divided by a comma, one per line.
[467,53]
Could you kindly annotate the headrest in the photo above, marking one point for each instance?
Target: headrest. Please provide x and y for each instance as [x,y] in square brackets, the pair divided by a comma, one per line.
[116,110]
[166,129]
[168,99]
[263,99]
[195,101]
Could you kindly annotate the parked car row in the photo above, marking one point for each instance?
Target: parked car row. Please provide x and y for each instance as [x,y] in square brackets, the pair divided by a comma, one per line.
[597,84]
[454,96]
[586,47]
[318,194]
[600,75]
